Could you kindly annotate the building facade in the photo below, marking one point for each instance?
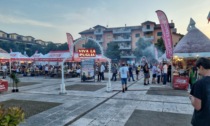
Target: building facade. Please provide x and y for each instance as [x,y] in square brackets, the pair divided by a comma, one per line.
[14,37]
[127,36]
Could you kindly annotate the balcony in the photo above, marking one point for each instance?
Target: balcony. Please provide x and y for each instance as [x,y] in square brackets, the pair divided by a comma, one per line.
[121,30]
[148,38]
[120,39]
[147,30]
[98,32]
[124,47]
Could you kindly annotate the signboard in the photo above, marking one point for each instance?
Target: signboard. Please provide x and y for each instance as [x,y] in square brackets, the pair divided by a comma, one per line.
[3,85]
[87,52]
[88,69]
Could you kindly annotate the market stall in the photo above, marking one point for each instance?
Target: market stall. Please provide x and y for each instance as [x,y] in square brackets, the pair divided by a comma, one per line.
[58,56]
[19,57]
[192,46]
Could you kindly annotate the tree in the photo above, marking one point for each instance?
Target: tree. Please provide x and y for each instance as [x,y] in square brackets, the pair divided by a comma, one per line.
[50,47]
[63,46]
[92,45]
[160,46]
[113,51]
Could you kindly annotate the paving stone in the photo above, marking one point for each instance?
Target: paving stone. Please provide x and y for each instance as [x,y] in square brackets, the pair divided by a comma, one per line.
[166,91]
[152,118]
[84,87]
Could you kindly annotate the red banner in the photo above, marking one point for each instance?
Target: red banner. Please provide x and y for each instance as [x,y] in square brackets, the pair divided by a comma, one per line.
[166,33]
[87,52]
[70,41]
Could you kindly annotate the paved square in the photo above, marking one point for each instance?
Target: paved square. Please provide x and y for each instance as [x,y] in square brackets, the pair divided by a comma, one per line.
[30,107]
[166,91]
[84,87]
[152,118]
[24,84]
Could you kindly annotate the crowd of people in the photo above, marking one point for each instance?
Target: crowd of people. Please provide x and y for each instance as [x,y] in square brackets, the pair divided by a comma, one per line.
[40,70]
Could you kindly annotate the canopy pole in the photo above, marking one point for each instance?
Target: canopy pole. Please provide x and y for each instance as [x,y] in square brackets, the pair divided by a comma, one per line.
[62,86]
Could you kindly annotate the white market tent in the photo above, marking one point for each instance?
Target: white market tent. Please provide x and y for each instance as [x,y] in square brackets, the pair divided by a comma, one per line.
[58,56]
[194,44]
[17,56]
[4,55]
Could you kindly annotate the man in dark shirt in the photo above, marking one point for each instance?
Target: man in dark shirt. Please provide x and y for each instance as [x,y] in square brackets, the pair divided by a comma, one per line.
[200,95]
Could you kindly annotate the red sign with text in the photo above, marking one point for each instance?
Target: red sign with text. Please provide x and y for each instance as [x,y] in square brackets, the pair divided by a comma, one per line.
[87,52]
[3,85]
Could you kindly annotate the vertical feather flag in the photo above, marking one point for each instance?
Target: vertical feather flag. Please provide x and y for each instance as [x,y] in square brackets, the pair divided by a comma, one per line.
[208,18]
[166,33]
[70,44]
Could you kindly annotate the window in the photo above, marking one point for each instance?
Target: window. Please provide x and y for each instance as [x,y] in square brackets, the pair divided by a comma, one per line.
[109,36]
[159,34]
[148,26]
[137,35]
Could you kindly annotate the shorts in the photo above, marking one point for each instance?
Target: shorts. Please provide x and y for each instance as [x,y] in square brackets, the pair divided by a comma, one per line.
[137,72]
[146,75]
[124,81]
[154,75]
[46,72]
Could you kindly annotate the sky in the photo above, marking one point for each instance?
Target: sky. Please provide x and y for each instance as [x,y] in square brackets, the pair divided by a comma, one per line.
[49,20]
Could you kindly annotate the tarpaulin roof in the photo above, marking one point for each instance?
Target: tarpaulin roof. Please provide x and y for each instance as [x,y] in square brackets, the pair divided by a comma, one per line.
[194,43]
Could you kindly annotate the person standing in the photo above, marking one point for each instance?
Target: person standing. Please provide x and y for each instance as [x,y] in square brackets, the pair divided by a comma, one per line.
[123,73]
[146,74]
[200,95]
[114,72]
[165,70]
[158,74]
[130,69]
[169,73]
[154,73]
[46,69]
[4,70]
[138,68]
[102,69]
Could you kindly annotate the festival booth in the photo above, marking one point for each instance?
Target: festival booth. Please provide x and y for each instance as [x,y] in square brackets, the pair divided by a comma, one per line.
[193,45]
[4,56]
[19,57]
[58,56]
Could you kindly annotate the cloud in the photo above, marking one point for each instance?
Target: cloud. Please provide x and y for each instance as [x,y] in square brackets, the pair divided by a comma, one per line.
[23,21]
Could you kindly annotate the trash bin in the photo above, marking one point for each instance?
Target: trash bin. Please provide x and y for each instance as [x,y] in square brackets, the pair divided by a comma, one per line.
[3,85]
[180,82]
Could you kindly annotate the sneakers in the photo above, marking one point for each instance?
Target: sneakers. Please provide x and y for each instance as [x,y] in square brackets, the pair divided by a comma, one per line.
[123,90]
[126,88]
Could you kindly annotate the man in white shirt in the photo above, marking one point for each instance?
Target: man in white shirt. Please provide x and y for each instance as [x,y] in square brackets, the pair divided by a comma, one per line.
[165,70]
[102,69]
[123,73]
[46,69]
[4,69]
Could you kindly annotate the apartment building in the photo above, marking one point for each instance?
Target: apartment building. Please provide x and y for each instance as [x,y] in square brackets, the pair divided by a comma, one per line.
[14,37]
[127,36]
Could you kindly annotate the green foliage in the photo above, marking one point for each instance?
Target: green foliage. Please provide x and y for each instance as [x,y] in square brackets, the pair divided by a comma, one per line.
[160,46]
[11,116]
[92,45]
[63,47]
[113,51]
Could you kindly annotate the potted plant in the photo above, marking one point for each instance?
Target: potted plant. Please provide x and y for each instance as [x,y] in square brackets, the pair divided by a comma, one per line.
[11,116]
[15,81]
